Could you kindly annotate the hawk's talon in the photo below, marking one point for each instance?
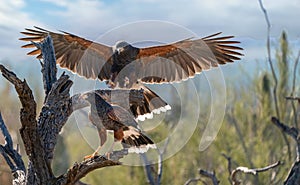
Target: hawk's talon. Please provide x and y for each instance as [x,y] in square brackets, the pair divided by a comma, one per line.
[95,154]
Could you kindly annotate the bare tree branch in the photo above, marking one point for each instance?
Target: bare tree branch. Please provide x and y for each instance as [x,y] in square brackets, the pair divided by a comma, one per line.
[154,176]
[149,170]
[293,176]
[269,56]
[193,180]
[273,73]
[210,175]
[291,131]
[40,136]
[49,114]
[246,170]
[49,69]
[160,160]
[229,166]
[54,114]
[8,149]
[28,131]
[293,98]
[79,170]
[11,156]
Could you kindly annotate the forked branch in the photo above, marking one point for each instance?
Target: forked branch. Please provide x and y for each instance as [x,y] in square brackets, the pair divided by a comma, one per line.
[246,170]
[39,136]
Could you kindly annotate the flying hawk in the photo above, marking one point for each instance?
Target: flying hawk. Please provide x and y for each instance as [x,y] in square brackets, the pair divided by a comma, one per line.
[112,117]
[126,66]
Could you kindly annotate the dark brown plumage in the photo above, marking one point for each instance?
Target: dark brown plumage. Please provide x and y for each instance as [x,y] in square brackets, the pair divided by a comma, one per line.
[112,117]
[126,66]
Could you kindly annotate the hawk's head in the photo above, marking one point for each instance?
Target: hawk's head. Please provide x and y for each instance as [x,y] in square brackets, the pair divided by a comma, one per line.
[121,47]
[124,53]
[89,96]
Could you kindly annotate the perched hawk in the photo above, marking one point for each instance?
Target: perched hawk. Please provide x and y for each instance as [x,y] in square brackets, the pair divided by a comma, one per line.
[112,117]
[126,66]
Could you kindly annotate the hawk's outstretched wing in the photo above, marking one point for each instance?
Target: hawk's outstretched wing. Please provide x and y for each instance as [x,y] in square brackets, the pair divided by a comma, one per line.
[181,60]
[84,57]
[159,64]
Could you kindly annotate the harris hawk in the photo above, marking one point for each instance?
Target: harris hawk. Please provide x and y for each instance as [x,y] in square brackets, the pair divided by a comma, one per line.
[126,66]
[115,118]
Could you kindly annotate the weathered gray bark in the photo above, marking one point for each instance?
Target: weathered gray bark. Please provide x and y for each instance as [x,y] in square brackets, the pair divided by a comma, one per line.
[293,176]
[11,156]
[40,135]
[28,131]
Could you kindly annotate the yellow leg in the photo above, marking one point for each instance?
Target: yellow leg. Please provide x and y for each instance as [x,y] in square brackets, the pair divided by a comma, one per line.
[94,154]
[103,137]
[110,150]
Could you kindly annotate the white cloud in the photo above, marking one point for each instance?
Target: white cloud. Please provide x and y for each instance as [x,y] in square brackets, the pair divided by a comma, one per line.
[242,18]
[12,21]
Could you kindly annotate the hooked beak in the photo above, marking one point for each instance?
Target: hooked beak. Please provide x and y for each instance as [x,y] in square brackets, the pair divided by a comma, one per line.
[120,50]
[83,96]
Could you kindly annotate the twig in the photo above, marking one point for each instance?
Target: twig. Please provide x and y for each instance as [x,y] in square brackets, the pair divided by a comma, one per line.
[291,131]
[293,90]
[154,177]
[229,165]
[160,160]
[194,180]
[9,151]
[269,56]
[273,73]
[210,175]
[11,156]
[148,168]
[292,98]
[246,170]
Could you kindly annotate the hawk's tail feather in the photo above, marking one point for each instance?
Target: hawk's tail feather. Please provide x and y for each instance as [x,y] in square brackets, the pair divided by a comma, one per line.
[152,104]
[136,141]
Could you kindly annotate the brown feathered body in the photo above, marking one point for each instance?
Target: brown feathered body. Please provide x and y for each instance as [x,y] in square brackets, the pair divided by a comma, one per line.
[112,117]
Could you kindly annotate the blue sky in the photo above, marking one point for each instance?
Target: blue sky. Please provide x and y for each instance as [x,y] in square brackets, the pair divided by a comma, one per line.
[92,18]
